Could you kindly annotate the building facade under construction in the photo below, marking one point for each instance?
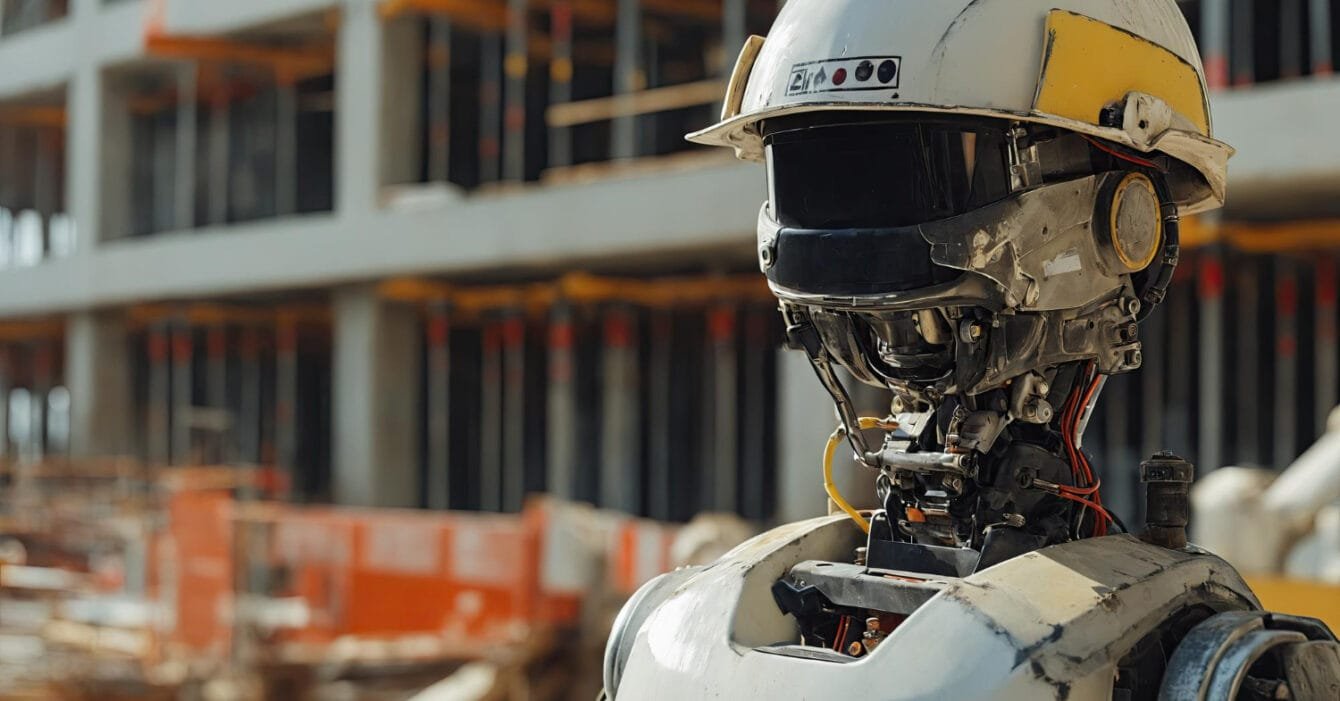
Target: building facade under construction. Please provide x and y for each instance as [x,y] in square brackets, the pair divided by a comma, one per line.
[446,254]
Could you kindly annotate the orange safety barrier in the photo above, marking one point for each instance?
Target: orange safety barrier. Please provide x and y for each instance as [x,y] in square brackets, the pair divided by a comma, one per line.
[475,581]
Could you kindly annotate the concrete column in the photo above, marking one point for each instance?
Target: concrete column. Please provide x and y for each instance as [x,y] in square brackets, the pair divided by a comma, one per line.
[97,373]
[358,102]
[376,390]
[805,417]
[85,132]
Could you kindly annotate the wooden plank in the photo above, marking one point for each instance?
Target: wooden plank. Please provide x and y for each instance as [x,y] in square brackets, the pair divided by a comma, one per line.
[633,104]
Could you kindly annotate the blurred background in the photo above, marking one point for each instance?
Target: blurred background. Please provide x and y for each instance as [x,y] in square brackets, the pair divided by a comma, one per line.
[346,345]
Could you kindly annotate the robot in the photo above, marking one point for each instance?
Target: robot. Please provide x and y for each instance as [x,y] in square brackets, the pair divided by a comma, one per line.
[973,204]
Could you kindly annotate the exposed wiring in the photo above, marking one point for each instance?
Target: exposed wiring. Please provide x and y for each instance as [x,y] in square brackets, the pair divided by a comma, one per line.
[1112,151]
[830,451]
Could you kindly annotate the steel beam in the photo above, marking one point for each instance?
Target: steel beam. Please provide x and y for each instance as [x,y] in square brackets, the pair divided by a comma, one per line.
[287,398]
[1290,36]
[286,148]
[249,410]
[753,431]
[219,128]
[660,386]
[1244,52]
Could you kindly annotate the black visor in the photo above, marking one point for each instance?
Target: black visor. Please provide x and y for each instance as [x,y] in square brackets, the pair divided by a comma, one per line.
[882,174]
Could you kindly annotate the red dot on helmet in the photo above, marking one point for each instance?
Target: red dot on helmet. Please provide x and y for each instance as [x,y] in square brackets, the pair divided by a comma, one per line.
[839,76]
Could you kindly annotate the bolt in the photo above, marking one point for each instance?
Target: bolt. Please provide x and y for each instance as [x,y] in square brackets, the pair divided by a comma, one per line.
[1134,359]
[952,484]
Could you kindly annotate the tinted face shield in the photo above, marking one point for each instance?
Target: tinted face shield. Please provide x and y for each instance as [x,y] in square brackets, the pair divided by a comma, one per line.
[846,201]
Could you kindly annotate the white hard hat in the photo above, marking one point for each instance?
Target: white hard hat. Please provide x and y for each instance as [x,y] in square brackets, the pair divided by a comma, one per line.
[1125,71]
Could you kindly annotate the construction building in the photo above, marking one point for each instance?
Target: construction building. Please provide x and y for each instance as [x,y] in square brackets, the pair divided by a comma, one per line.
[449,253]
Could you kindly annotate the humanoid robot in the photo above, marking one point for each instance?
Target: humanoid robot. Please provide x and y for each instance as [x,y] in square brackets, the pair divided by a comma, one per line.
[972,204]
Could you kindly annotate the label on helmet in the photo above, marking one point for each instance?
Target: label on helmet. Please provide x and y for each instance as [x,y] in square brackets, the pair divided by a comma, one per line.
[845,75]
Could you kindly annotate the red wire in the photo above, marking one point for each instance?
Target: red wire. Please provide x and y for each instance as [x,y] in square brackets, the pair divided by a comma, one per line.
[1125,157]
[1081,470]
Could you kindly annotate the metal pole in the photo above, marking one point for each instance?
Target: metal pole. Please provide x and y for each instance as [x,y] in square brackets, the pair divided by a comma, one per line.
[286,400]
[724,412]
[184,192]
[218,157]
[628,74]
[6,384]
[1327,380]
[734,32]
[660,383]
[159,441]
[516,66]
[514,408]
[439,99]
[286,146]
[490,418]
[620,474]
[1244,52]
[1320,24]
[1153,334]
[1291,35]
[1214,29]
[43,364]
[439,407]
[490,108]
[1248,427]
[754,426]
[1286,363]
[560,79]
[249,416]
[183,348]
[562,403]
[216,384]
[1211,288]
[1181,355]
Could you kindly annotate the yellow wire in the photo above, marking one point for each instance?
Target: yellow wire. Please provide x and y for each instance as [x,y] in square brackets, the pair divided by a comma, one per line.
[830,451]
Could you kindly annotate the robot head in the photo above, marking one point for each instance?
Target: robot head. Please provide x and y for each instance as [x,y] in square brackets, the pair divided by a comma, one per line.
[962,193]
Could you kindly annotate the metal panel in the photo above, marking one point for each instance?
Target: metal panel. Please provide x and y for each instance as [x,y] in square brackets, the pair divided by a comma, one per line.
[1286,363]
[620,436]
[439,407]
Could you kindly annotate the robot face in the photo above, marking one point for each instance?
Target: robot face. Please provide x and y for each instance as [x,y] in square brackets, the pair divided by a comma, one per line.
[948,257]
